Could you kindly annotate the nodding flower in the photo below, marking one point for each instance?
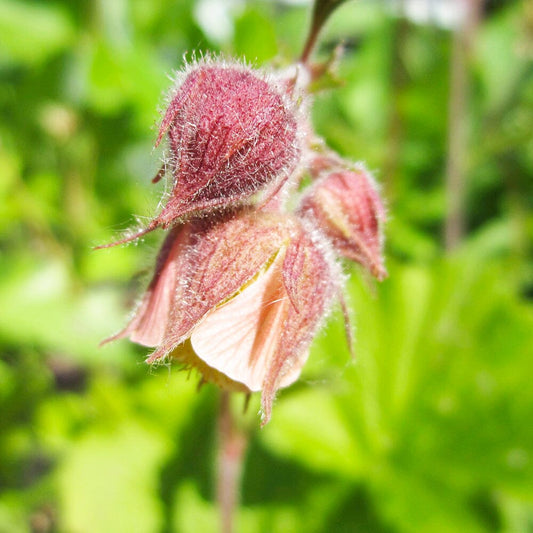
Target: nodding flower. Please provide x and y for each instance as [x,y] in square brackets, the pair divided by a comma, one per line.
[239,298]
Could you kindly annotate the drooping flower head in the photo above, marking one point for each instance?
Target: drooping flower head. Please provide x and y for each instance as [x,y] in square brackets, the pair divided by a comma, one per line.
[240,298]
[345,204]
[244,278]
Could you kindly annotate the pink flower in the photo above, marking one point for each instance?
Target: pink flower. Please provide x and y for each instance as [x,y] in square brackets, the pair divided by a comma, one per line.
[240,298]
[346,206]
[241,285]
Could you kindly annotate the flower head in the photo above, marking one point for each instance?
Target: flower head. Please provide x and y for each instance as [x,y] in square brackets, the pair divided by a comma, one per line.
[346,206]
[244,280]
[239,298]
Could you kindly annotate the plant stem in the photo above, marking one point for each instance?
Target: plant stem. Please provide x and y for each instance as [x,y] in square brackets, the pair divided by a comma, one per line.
[232,442]
[322,9]
[463,39]
[396,121]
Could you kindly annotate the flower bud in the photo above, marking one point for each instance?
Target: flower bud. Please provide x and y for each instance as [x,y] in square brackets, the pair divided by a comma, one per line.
[347,207]
[231,132]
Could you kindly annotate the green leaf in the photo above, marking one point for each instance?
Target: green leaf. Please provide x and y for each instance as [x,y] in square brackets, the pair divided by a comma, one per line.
[30,33]
[191,513]
[45,312]
[302,420]
[109,480]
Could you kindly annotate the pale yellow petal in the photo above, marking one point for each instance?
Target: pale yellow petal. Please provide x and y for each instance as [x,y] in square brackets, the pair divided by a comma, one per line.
[240,337]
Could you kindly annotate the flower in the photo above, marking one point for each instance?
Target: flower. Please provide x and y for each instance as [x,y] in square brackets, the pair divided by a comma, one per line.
[346,206]
[239,298]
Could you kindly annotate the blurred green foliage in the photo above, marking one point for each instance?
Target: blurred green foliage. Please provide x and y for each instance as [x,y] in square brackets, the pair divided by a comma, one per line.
[429,430]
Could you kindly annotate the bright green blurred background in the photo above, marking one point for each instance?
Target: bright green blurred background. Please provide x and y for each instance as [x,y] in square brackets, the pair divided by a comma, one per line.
[430,430]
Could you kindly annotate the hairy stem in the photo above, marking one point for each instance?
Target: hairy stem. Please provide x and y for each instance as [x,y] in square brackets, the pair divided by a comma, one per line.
[232,443]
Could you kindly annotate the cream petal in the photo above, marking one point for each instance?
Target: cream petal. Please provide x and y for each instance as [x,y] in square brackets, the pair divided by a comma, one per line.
[241,337]
[224,257]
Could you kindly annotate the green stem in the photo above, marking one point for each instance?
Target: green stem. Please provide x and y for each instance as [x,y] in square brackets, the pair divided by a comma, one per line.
[463,39]
[321,11]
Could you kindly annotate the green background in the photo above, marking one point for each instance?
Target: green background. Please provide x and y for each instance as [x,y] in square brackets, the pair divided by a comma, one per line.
[429,430]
